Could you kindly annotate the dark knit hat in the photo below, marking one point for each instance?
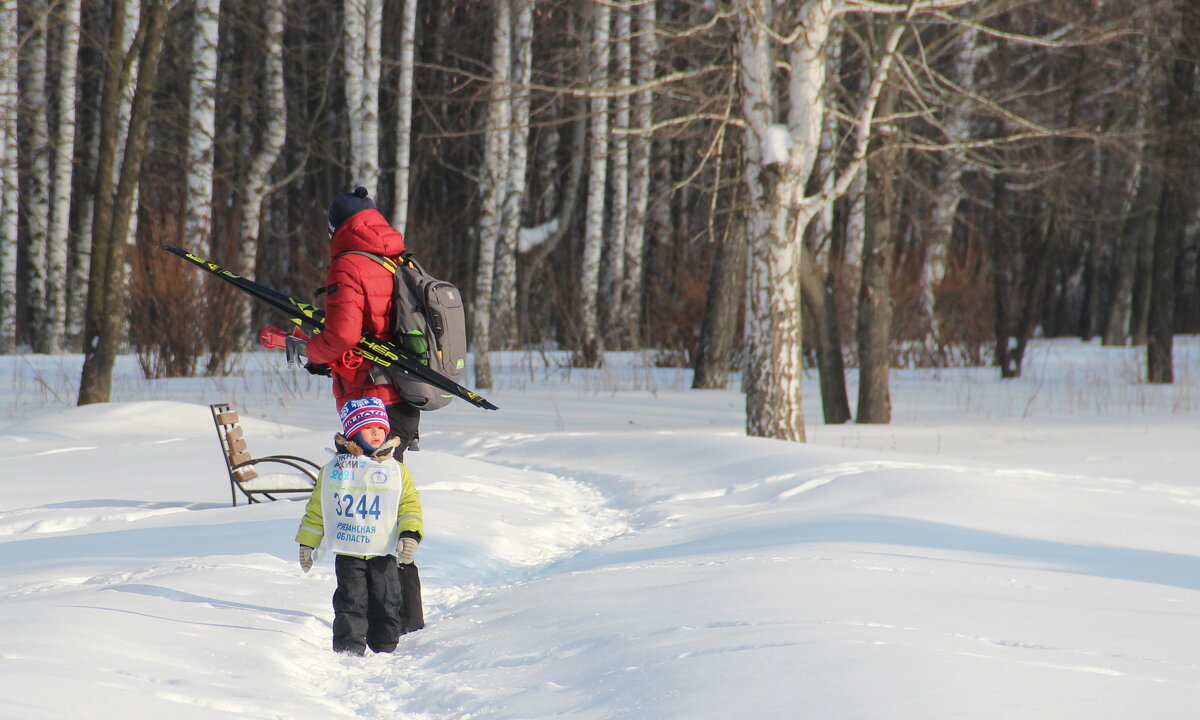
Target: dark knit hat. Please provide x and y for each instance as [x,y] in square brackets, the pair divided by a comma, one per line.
[347,204]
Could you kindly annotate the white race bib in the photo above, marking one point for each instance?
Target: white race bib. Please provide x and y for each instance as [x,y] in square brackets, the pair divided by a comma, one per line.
[360,499]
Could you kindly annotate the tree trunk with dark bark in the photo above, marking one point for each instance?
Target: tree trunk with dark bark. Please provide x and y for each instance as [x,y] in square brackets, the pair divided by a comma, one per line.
[1173,208]
[108,293]
[718,331]
[820,304]
[875,296]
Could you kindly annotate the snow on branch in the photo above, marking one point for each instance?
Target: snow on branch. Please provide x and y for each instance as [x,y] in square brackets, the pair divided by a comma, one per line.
[532,237]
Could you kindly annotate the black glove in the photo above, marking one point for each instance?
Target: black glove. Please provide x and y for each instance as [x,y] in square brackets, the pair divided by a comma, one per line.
[318,369]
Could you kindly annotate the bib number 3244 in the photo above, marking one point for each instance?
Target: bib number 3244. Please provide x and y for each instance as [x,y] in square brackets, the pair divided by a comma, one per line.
[350,505]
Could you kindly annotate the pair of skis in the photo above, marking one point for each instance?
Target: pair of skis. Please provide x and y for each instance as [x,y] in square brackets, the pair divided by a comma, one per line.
[311,320]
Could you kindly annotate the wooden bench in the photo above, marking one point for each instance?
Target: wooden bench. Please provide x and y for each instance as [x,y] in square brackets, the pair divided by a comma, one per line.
[243,477]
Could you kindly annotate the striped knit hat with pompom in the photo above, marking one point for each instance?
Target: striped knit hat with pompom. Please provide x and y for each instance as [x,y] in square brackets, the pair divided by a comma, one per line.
[358,415]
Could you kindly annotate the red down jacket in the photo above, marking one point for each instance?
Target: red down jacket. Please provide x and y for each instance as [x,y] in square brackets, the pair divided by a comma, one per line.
[359,297]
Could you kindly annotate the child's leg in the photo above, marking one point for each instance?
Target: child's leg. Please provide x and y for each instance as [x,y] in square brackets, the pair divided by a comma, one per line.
[383,604]
[350,605]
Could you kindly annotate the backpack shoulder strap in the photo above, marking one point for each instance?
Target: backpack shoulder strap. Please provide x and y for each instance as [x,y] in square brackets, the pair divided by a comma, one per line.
[386,262]
[388,265]
[408,259]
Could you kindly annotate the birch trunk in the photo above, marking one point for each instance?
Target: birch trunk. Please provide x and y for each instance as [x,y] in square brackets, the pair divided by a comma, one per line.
[590,350]
[37,165]
[9,195]
[201,125]
[274,134]
[855,204]
[353,27]
[640,151]
[615,245]
[404,101]
[59,233]
[494,178]
[780,160]
[504,295]
[362,31]
[128,91]
[372,69]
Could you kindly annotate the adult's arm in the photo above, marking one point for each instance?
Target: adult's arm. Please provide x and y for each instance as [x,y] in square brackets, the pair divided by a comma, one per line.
[344,306]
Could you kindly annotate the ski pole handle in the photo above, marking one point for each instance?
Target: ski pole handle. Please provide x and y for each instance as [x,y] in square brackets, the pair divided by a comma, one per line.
[296,349]
[272,338]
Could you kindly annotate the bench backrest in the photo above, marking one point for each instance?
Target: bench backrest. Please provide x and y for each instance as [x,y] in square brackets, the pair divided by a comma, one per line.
[233,442]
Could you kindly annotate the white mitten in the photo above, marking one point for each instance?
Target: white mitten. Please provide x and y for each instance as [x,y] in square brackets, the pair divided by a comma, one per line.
[306,558]
[406,550]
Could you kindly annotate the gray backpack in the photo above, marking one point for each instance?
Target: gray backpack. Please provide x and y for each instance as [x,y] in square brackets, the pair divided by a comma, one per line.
[430,324]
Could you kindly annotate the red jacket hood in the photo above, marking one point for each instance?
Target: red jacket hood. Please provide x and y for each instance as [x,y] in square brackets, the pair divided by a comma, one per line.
[367,230]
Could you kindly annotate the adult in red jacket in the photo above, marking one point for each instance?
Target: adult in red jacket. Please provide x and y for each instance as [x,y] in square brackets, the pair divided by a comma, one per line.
[359,297]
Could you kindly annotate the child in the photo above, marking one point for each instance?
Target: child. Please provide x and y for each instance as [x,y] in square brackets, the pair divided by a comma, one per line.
[367,508]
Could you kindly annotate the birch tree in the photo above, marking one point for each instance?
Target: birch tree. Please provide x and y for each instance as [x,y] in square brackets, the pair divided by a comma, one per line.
[773,372]
[615,241]
[363,22]
[780,157]
[202,107]
[494,178]
[271,140]
[63,150]
[404,114]
[37,165]
[640,152]
[9,196]
[504,294]
[590,348]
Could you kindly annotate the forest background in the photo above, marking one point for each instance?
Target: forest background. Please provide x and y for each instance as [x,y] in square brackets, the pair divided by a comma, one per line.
[753,185]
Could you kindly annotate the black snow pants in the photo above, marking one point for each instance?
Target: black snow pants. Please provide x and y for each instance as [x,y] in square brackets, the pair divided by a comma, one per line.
[404,420]
[366,605]
[412,614]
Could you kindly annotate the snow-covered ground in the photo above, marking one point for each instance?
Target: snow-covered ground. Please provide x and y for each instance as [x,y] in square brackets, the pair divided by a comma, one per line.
[610,545]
